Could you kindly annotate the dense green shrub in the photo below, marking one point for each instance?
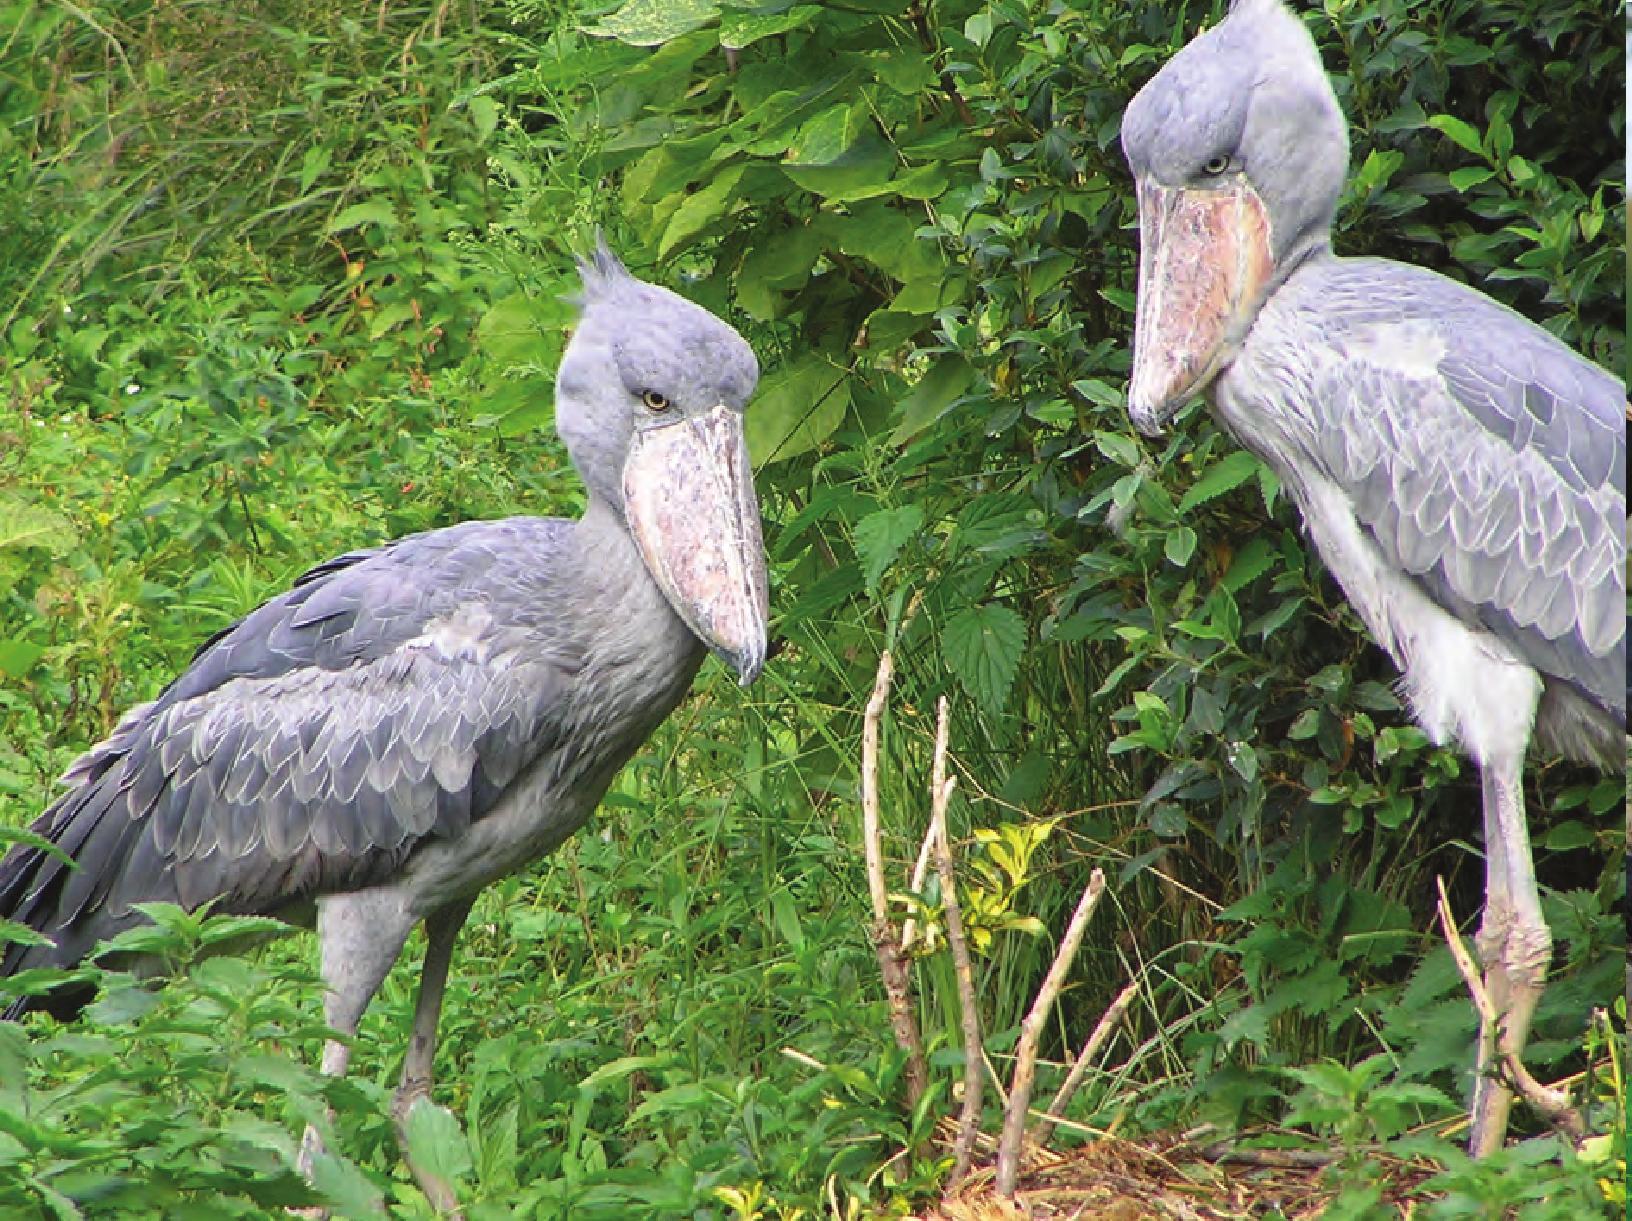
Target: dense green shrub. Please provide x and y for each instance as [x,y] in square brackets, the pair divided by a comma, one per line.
[285,278]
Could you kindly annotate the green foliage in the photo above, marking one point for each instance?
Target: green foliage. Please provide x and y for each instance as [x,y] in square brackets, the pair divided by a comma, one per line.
[281,279]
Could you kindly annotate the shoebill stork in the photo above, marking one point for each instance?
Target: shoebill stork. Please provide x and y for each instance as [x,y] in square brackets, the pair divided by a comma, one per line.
[409,723]
[1461,472]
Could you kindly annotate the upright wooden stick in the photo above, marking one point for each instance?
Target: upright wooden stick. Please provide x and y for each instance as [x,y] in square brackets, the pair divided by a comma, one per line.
[974,1075]
[1031,1030]
[892,963]
[1101,1033]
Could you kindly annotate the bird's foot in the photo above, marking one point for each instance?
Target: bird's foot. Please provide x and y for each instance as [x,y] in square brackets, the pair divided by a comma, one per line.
[437,1190]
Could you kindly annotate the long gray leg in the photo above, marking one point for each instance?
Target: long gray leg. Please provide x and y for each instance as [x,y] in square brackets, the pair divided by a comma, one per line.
[1514,943]
[441,931]
[359,937]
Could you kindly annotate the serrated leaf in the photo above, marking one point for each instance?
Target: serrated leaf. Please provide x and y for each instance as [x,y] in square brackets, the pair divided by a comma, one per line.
[1230,471]
[1179,545]
[880,536]
[346,1188]
[982,646]
[436,1145]
[1568,835]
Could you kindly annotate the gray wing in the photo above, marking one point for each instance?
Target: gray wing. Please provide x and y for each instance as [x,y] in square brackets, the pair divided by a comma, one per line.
[1487,459]
[389,696]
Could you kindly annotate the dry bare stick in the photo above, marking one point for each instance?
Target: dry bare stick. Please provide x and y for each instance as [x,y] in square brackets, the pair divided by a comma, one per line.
[1101,1033]
[1031,1030]
[974,1073]
[892,964]
[1553,1105]
[920,871]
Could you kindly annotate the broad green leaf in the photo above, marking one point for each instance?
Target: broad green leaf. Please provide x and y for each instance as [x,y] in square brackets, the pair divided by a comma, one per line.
[1462,133]
[1471,176]
[797,408]
[650,23]
[23,524]
[982,646]
[880,536]
[739,28]
[701,209]
[1228,472]
[936,391]
[1179,545]
[18,657]
[435,1142]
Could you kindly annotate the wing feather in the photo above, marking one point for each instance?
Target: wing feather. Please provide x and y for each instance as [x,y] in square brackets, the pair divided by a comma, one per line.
[1485,458]
[313,744]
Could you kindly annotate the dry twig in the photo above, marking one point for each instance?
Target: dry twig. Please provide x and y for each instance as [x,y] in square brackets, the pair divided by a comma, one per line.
[1553,1105]
[974,1074]
[1031,1030]
[892,963]
[1101,1033]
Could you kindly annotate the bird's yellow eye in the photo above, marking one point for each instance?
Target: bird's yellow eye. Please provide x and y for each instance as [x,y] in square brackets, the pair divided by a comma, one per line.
[655,401]
[1216,166]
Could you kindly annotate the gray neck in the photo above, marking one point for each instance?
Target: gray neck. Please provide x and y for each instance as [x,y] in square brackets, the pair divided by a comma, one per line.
[626,612]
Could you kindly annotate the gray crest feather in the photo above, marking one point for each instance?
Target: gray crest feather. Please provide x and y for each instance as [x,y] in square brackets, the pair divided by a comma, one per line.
[603,274]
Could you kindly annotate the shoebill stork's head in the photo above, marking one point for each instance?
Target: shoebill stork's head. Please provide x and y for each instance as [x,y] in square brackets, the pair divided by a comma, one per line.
[1238,150]
[649,400]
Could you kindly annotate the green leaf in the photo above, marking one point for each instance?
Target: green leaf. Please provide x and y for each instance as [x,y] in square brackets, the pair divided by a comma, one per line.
[23,524]
[1462,133]
[435,1143]
[982,646]
[797,408]
[936,391]
[346,1188]
[369,212]
[1180,545]
[713,203]
[1228,472]
[786,917]
[880,536]
[18,657]
[650,23]
[1471,176]
[1567,835]
[739,28]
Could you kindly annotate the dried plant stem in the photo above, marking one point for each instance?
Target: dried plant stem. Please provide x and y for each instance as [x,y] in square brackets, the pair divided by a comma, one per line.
[920,871]
[974,1072]
[1101,1034]
[1031,1030]
[1553,1105]
[892,963]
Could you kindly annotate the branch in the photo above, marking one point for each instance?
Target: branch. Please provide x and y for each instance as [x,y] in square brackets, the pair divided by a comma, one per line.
[1031,1030]
[892,964]
[974,1074]
[1101,1033]
[1553,1105]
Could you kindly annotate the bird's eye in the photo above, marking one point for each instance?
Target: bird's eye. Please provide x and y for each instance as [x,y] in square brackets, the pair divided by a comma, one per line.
[1216,166]
[655,401]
